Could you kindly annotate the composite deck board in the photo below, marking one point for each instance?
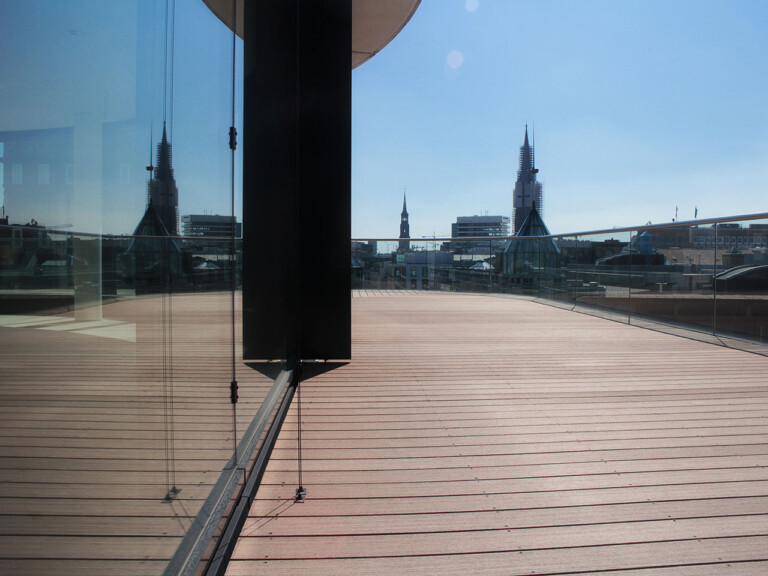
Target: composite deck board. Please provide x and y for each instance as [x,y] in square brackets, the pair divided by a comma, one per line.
[496,519]
[451,504]
[483,435]
[470,434]
[327,471]
[36,566]
[87,423]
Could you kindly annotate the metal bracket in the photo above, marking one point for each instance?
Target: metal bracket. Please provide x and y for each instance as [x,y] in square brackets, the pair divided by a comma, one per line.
[171,495]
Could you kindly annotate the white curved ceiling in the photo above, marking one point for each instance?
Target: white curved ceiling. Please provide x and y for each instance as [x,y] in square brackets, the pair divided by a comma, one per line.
[374,22]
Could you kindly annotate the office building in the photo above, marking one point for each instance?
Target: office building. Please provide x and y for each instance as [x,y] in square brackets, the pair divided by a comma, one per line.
[479,226]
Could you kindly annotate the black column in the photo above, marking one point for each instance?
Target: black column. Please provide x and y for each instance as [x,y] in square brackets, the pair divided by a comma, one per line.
[296,179]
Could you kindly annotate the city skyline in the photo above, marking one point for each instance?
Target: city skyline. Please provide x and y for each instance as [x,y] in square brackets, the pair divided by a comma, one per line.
[639,108]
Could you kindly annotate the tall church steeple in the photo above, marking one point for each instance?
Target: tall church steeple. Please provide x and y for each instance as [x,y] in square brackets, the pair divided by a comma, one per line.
[405,229]
[162,192]
[528,191]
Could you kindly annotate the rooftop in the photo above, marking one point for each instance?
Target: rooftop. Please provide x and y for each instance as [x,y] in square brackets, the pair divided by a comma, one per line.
[470,434]
[491,435]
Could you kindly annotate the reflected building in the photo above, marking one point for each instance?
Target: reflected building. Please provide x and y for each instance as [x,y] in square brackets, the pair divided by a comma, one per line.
[528,191]
[162,192]
[210,226]
[154,253]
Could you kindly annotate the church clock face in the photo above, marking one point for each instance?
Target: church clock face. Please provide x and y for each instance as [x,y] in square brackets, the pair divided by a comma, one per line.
[404,218]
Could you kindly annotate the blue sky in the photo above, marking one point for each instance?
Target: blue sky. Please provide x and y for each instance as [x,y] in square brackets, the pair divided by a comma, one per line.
[639,106]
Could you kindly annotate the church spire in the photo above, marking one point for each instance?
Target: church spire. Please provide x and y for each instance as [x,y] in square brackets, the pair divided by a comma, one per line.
[526,159]
[528,191]
[405,229]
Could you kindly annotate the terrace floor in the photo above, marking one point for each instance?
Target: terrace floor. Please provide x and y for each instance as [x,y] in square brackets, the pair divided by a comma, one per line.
[97,418]
[491,435]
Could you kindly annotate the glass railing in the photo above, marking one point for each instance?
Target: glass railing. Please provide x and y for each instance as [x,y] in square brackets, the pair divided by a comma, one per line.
[708,276]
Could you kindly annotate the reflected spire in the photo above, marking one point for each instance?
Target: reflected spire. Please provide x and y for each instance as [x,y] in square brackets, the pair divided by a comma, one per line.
[162,192]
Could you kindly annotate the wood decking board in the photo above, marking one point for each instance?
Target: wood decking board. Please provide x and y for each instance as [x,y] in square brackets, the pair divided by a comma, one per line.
[38,567]
[470,434]
[477,435]
[83,435]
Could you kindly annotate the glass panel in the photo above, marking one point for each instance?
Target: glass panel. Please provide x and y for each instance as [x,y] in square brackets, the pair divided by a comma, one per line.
[741,282]
[565,279]
[525,263]
[672,277]
[467,265]
[595,275]
[120,336]
[649,276]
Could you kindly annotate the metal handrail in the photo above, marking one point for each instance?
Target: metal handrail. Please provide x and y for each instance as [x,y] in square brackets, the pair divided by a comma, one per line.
[681,224]
[114,236]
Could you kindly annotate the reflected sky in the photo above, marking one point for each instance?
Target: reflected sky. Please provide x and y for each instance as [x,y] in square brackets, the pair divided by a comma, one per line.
[97,70]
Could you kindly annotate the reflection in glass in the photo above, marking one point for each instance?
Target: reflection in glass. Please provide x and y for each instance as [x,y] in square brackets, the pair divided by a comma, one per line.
[117,331]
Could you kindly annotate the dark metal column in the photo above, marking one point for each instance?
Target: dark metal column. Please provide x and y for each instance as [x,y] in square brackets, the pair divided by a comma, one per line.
[296,180]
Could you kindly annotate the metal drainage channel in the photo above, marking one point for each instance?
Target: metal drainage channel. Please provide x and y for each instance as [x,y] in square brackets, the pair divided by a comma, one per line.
[217,565]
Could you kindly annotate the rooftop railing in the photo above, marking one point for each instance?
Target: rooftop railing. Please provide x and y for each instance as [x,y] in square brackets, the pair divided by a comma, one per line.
[708,276]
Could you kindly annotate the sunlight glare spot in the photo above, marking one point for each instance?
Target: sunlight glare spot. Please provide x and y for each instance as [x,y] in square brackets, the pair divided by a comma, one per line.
[455,59]
[472,5]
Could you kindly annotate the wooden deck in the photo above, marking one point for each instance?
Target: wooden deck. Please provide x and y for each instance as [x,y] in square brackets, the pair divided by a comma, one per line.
[489,435]
[84,428]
